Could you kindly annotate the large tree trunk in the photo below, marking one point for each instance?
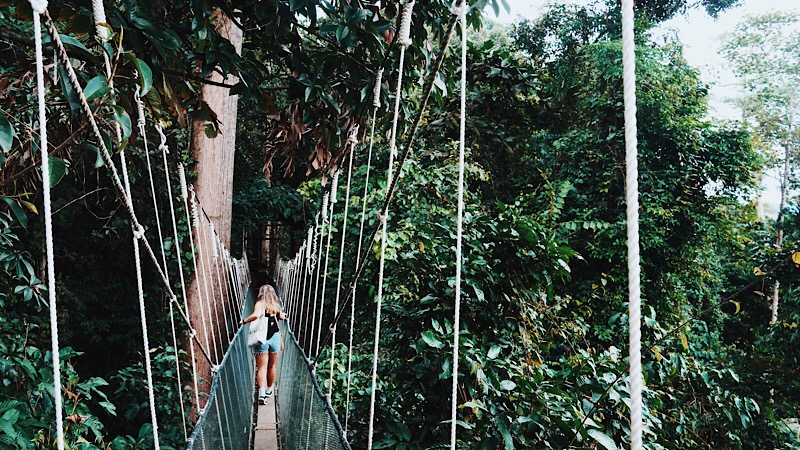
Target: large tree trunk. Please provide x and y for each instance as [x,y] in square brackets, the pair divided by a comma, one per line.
[214,189]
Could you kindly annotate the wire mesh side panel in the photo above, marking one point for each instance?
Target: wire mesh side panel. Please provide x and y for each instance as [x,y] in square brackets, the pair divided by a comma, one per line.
[227,420]
[306,419]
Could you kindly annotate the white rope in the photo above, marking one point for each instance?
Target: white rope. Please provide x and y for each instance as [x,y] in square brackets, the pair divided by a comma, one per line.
[39,7]
[100,18]
[632,201]
[141,124]
[404,41]
[325,272]
[179,255]
[138,234]
[324,214]
[376,103]
[404,35]
[195,221]
[460,11]
[353,141]
[209,285]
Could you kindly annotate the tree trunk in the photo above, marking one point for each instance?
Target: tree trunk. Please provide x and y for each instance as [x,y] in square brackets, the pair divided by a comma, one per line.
[214,189]
[779,224]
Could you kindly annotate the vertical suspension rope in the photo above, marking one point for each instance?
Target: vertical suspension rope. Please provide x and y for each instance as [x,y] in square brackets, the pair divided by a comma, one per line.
[376,104]
[404,40]
[39,7]
[332,203]
[353,142]
[138,233]
[461,12]
[179,255]
[632,201]
[324,216]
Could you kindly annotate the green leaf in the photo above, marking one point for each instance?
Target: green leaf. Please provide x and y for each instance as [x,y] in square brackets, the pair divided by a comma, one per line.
[22,218]
[603,439]
[122,118]
[431,340]
[96,87]
[69,92]
[57,170]
[145,76]
[493,351]
[6,132]
[507,385]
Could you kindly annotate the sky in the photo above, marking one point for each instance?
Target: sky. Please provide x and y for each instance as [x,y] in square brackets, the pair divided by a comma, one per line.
[700,35]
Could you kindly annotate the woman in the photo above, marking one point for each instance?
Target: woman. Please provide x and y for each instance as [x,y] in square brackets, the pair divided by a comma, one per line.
[267,306]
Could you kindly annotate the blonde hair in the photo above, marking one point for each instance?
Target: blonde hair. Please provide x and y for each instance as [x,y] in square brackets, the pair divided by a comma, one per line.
[269,297]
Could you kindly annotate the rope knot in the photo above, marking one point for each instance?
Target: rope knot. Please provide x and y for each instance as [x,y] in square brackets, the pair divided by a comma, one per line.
[215,369]
[163,145]
[182,173]
[353,138]
[459,9]
[404,36]
[376,92]
[382,217]
[138,231]
[335,187]
[39,6]
[140,121]
[193,333]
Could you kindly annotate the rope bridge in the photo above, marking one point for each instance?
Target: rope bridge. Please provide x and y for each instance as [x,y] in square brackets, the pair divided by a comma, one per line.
[304,409]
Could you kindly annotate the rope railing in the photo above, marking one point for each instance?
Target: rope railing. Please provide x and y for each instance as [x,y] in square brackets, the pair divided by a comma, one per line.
[224,275]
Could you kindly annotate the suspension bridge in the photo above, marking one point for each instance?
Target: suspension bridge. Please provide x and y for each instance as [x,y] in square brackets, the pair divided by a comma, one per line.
[302,415]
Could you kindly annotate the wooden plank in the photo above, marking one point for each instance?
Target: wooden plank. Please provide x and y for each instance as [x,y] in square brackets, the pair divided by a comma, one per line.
[266,434]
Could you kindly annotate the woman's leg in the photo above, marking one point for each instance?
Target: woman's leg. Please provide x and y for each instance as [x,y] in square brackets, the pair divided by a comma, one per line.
[272,368]
[262,362]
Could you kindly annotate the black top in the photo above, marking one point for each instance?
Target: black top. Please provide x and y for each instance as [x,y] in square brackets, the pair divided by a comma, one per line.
[272,325]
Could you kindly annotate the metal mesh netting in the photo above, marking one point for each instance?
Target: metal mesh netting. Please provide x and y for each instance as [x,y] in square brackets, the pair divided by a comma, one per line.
[227,421]
[306,419]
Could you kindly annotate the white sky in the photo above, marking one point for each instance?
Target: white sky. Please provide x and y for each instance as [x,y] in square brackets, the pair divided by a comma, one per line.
[700,35]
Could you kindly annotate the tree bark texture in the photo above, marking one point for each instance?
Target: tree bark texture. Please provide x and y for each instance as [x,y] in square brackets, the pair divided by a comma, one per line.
[212,308]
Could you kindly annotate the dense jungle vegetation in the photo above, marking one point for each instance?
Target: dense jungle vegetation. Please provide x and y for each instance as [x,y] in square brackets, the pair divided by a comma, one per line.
[544,313]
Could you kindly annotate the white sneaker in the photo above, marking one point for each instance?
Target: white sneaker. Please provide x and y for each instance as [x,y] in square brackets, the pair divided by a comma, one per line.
[262,399]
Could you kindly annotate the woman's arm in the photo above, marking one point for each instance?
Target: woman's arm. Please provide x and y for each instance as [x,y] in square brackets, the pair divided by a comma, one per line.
[258,311]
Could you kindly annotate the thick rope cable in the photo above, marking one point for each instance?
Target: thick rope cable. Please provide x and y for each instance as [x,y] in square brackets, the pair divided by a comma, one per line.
[461,12]
[376,104]
[632,202]
[39,7]
[404,40]
[426,91]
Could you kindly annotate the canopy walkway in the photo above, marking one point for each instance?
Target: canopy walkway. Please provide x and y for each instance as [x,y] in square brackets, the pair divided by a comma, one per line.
[305,417]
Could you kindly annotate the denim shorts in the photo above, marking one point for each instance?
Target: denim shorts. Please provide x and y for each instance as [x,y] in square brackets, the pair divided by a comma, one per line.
[273,345]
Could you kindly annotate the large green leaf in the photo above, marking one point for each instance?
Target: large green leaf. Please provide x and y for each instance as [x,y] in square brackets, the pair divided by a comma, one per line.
[431,339]
[22,218]
[96,87]
[603,439]
[6,132]
[122,118]
[57,170]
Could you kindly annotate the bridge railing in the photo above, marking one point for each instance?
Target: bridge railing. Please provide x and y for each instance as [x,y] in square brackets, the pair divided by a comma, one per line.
[227,420]
[306,419]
